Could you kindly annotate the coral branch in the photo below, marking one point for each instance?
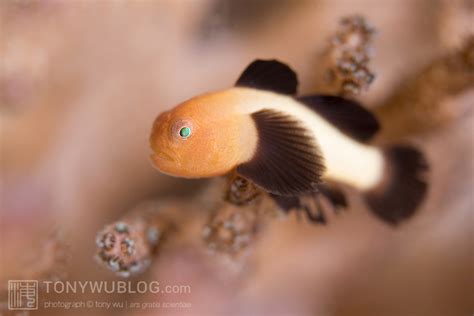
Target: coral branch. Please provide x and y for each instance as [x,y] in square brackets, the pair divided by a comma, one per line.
[231,229]
[235,223]
[348,56]
[241,191]
[127,246]
[418,105]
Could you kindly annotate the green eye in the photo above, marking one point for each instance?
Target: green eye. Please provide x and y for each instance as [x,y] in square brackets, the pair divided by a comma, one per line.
[184,132]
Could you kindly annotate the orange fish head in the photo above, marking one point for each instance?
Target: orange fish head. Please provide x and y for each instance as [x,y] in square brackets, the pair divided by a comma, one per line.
[195,141]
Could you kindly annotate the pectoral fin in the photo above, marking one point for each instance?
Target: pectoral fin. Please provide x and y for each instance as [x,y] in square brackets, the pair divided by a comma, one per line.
[287,160]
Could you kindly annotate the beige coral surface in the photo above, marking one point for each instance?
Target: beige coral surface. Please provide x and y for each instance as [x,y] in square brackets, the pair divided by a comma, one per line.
[81,83]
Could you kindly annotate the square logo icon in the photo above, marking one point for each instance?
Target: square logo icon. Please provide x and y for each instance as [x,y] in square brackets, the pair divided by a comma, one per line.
[22,294]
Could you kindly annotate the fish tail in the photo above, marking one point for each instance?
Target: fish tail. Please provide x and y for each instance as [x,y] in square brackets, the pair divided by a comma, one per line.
[404,186]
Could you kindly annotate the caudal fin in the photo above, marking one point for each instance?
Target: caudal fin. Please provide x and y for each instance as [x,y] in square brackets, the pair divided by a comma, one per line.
[404,187]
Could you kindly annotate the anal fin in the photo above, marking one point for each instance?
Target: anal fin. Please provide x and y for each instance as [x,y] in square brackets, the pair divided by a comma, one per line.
[311,204]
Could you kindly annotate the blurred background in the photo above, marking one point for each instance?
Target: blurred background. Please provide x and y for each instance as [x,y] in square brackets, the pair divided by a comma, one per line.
[82,81]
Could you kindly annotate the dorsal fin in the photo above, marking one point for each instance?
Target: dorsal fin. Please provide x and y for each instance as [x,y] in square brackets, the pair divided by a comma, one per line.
[269,75]
[287,160]
[347,115]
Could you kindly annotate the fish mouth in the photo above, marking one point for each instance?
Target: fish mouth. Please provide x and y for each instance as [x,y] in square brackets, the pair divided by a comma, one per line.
[161,155]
